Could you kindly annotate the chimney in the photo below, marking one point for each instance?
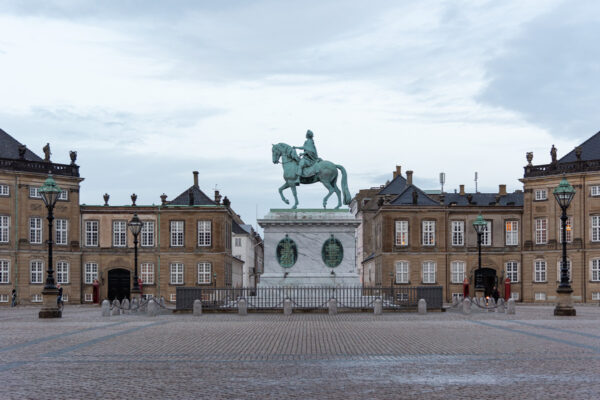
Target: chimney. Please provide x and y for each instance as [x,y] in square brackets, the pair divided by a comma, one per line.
[502,190]
[196,178]
[398,171]
[409,177]
[462,190]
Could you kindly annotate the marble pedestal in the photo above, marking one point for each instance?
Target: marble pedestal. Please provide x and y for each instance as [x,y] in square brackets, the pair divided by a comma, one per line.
[309,229]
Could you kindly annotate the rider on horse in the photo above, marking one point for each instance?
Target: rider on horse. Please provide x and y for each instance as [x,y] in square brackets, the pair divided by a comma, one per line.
[309,157]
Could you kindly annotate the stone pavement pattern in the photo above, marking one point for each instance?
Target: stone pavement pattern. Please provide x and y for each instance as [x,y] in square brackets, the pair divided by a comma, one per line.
[272,356]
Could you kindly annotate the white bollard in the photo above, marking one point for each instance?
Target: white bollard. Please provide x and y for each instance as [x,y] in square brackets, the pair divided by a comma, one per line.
[287,307]
[153,308]
[377,306]
[197,308]
[422,306]
[332,305]
[510,307]
[105,308]
[466,306]
[242,307]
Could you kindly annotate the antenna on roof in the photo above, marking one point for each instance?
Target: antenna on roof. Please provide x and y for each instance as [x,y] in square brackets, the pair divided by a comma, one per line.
[476,191]
[442,180]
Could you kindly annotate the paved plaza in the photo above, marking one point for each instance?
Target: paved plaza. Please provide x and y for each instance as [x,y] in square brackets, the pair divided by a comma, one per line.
[271,356]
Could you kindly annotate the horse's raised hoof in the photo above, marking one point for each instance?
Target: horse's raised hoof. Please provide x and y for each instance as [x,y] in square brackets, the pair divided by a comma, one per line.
[286,201]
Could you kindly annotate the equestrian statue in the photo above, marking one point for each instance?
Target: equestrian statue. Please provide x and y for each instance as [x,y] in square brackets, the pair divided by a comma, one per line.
[308,168]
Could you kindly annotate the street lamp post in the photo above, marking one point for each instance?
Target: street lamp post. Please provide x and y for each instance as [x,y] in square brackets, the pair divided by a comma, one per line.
[50,192]
[480,226]
[564,193]
[135,226]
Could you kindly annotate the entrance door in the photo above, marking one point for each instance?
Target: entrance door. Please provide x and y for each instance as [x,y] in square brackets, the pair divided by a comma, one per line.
[487,276]
[118,284]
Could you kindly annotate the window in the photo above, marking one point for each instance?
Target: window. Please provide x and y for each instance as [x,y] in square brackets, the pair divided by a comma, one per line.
[176,233]
[596,296]
[172,297]
[569,230]
[91,233]
[401,233]
[512,271]
[147,234]
[457,271]
[62,272]
[4,190]
[402,296]
[147,296]
[512,233]
[91,272]
[3,298]
[402,272]
[4,271]
[238,242]
[35,230]
[65,298]
[176,274]
[596,228]
[596,270]
[558,265]
[34,192]
[514,296]
[36,268]
[36,298]
[147,273]
[88,298]
[541,231]
[595,190]
[458,297]
[486,236]
[541,194]
[204,270]
[540,296]
[119,233]
[4,228]
[64,195]
[204,233]
[428,272]
[428,233]
[458,233]
[539,271]
[61,231]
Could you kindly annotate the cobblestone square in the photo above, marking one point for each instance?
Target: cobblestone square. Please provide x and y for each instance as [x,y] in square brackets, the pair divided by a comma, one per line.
[265,356]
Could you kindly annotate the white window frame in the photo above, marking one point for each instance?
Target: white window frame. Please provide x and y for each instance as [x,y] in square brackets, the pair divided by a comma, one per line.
[204,233]
[4,190]
[558,265]
[91,272]
[147,234]
[541,194]
[457,271]
[569,230]
[36,271]
[35,230]
[429,272]
[88,297]
[61,232]
[514,296]
[595,190]
[401,238]
[177,233]
[595,228]
[512,233]
[486,235]
[63,195]
[4,228]
[3,298]
[402,272]
[595,270]
[4,271]
[62,272]
[511,271]
[65,298]
[595,295]
[541,230]
[428,236]
[92,233]
[540,271]
[540,296]
[147,273]
[458,233]
[172,297]
[37,298]
[204,273]
[238,242]
[34,192]
[458,296]
[176,274]
[119,233]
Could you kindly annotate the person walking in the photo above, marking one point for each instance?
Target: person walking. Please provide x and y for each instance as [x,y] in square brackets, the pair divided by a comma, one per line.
[495,294]
[59,299]
[14,298]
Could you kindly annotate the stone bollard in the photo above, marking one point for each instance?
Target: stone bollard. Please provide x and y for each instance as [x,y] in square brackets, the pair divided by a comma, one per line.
[332,305]
[500,308]
[162,301]
[454,301]
[510,307]
[197,308]
[242,307]
[377,306]
[134,305]
[125,306]
[153,308]
[115,310]
[105,308]
[466,306]
[422,306]
[287,307]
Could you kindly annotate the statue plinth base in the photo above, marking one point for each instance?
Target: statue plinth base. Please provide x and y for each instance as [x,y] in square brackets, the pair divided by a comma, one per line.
[50,307]
[309,229]
[564,306]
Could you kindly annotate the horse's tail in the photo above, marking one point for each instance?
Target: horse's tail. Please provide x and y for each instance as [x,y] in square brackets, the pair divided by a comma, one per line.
[347,195]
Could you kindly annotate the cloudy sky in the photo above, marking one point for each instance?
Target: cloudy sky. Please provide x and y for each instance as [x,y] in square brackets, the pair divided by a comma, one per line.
[149,91]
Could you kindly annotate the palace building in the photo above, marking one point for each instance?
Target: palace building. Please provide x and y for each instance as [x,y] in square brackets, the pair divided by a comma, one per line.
[413,237]
[186,241]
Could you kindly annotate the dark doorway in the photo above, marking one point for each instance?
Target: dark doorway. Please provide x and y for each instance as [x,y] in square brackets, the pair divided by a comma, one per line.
[488,279]
[118,284]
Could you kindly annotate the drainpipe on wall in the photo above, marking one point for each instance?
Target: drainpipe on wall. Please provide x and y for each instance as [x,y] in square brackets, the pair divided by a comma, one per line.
[158,263]
[16,222]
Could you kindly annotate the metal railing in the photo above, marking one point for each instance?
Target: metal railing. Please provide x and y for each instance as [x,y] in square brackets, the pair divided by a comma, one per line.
[39,166]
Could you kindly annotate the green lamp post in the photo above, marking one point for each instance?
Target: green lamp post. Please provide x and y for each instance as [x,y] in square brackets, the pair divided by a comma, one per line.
[480,226]
[564,194]
[135,226]
[50,192]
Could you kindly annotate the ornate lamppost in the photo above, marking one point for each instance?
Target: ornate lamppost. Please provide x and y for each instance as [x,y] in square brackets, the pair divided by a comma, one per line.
[480,226]
[135,226]
[564,193]
[50,192]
